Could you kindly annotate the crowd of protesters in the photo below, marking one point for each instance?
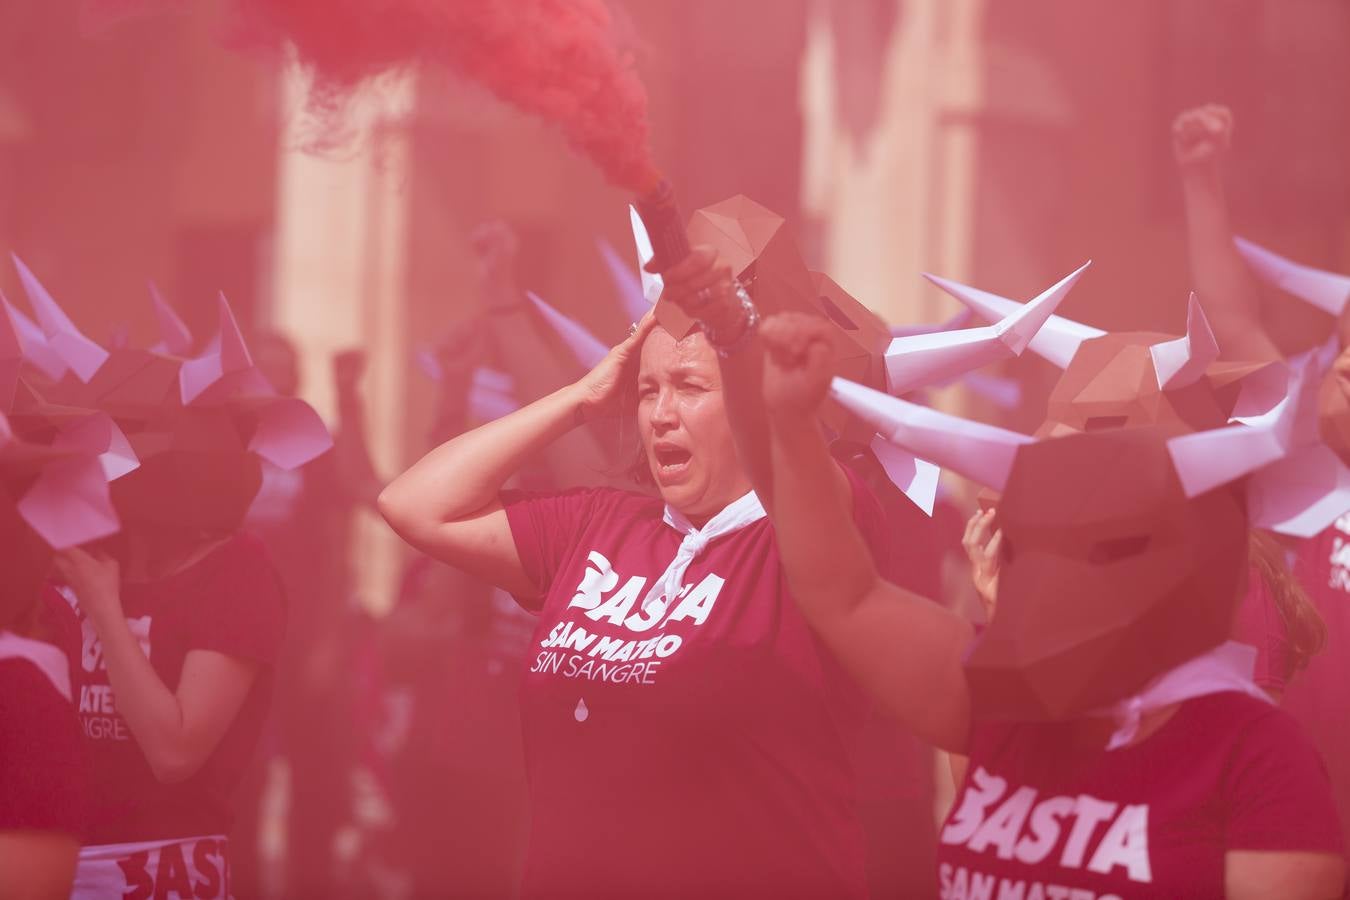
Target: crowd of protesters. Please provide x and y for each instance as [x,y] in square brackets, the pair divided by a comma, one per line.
[709,655]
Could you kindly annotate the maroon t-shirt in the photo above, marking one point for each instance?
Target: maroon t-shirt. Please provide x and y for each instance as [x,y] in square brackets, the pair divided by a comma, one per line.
[229,602]
[699,752]
[1037,818]
[42,765]
[1319,696]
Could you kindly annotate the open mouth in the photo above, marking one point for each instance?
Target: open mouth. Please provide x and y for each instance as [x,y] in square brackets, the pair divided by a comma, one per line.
[671,461]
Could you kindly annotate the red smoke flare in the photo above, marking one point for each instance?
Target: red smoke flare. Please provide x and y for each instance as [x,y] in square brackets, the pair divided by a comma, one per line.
[557,59]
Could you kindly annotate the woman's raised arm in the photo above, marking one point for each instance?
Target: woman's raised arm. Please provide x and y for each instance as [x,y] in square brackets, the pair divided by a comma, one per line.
[446,504]
[905,650]
[1227,290]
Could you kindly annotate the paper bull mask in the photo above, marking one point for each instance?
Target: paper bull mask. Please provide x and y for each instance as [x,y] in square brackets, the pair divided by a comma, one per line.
[199,425]
[763,255]
[1138,378]
[1125,546]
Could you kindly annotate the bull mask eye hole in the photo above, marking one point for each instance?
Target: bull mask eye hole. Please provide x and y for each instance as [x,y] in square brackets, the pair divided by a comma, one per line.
[1117,549]
[1100,423]
[837,315]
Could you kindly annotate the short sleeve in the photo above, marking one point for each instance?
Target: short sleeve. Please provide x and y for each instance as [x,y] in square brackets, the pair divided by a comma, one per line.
[1277,791]
[240,607]
[544,527]
[42,763]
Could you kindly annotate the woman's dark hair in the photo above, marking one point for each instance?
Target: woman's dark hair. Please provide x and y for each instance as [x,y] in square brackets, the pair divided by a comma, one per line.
[1304,628]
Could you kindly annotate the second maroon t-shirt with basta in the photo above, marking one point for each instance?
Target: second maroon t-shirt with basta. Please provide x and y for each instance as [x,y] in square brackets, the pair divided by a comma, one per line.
[700,749]
[1043,814]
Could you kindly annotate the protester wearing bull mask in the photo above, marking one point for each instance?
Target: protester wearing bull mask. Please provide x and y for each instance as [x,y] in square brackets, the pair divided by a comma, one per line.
[1121,794]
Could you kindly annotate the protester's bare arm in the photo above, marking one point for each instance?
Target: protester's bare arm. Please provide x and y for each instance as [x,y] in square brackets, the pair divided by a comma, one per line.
[177,730]
[1227,290]
[774,383]
[446,504]
[903,648]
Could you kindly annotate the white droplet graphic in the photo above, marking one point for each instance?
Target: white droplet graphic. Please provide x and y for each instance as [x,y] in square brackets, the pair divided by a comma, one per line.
[581,713]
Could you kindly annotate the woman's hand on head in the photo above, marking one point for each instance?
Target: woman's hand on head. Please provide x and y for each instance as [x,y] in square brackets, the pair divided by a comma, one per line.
[798,364]
[95,578]
[982,543]
[603,388]
[1201,136]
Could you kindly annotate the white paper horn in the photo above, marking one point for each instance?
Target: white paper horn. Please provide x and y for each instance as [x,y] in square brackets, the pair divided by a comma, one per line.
[1328,291]
[1208,459]
[918,360]
[1058,338]
[982,453]
[652,285]
[1183,361]
[586,348]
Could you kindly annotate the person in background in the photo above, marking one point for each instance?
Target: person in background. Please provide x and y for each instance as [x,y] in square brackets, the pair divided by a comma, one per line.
[1240,772]
[304,517]
[454,645]
[172,628]
[528,351]
[1319,697]
[450,652]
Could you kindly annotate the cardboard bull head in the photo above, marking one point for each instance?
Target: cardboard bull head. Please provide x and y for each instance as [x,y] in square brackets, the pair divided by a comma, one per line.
[198,425]
[1134,378]
[1125,547]
[1329,292]
[762,251]
[1115,380]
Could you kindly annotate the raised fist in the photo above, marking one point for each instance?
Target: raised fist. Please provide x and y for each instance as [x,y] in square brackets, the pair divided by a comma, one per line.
[798,363]
[1201,136]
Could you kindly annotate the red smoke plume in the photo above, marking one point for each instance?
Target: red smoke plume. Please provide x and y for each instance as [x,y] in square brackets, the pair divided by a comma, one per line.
[557,59]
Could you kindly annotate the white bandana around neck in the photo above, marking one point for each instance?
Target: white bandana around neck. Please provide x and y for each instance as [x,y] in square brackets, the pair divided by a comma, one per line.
[1228,667]
[733,517]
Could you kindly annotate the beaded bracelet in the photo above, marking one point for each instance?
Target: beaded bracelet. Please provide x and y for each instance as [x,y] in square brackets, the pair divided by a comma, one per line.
[749,324]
